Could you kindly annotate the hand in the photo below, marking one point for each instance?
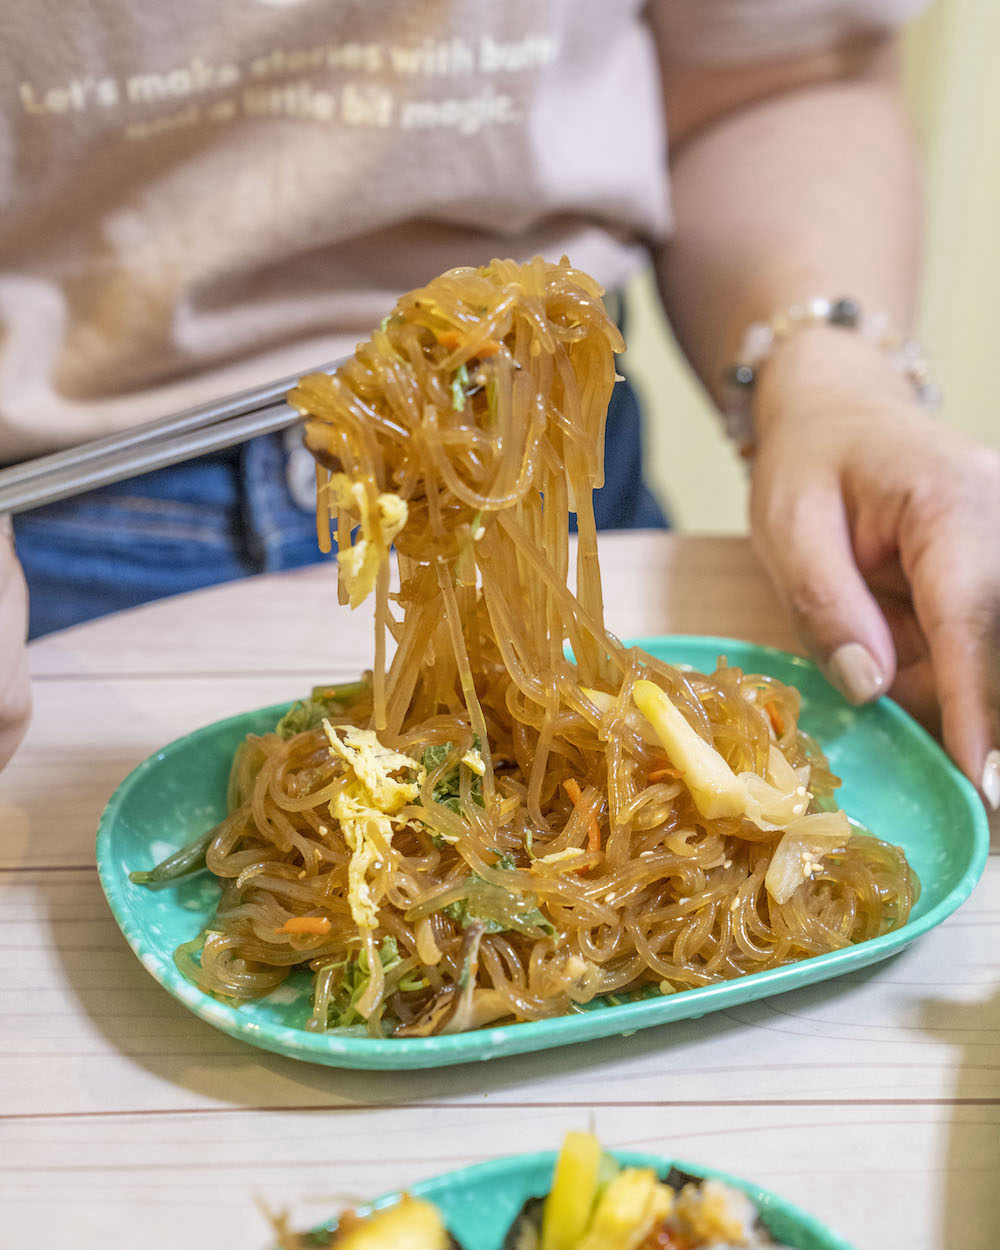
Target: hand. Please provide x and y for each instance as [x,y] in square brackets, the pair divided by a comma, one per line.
[15,696]
[880,527]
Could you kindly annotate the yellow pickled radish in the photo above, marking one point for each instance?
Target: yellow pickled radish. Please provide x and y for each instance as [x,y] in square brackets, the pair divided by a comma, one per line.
[715,788]
[410,1224]
[631,1205]
[574,1188]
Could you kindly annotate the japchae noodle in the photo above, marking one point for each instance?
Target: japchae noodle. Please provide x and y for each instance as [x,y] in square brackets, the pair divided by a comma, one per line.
[483,829]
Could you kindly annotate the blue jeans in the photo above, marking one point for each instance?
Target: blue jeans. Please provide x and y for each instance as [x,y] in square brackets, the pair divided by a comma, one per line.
[226,516]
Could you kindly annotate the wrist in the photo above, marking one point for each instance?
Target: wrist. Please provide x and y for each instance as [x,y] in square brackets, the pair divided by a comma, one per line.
[823,371]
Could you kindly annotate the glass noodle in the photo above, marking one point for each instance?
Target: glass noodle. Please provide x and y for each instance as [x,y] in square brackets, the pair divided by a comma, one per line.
[540,844]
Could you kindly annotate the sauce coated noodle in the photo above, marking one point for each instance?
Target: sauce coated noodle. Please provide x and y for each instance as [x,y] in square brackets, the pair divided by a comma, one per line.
[542,842]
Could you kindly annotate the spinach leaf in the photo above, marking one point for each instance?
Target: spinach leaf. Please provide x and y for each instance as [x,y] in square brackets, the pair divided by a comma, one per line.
[354,981]
[324,701]
[447,790]
[476,910]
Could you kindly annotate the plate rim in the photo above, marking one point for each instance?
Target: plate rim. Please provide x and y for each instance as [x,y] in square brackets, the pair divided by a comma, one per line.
[357,1052]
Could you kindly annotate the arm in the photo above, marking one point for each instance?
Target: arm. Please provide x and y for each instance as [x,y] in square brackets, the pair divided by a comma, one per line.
[877,524]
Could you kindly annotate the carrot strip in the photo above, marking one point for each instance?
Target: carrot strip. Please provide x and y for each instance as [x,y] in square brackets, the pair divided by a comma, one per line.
[316,926]
[658,774]
[573,791]
[451,340]
[774,716]
[575,795]
[663,769]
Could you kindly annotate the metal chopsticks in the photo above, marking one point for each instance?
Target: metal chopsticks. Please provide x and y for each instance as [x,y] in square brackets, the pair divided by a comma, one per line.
[167,440]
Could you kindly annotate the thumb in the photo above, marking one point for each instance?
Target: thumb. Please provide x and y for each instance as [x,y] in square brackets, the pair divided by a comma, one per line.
[808,553]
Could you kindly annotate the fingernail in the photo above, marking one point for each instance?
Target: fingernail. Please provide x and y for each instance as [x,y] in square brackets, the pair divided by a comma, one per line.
[990,785]
[853,670]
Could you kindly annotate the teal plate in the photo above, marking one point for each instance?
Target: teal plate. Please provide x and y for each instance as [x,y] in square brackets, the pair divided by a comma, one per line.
[897,781]
[479,1203]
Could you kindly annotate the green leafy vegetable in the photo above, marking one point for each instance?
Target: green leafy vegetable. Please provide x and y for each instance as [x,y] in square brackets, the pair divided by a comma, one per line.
[529,921]
[435,755]
[354,981]
[448,787]
[324,701]
[527,917]
[459,383]
[464,913]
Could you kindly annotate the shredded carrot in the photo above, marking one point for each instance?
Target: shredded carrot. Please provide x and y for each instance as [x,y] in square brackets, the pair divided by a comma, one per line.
[317,926]
[663,769]
[573,791]
[454,339]
[658,774]
[774,716]
[575,795]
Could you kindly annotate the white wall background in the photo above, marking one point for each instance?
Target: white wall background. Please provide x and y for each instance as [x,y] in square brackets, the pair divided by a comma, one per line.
[953,84]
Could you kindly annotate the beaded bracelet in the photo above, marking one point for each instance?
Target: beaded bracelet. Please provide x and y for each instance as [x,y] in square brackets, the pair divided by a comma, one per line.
[763,337]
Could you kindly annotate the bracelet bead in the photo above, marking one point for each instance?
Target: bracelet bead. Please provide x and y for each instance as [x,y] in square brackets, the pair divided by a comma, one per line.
[741,376]
[761,339]
[845,312]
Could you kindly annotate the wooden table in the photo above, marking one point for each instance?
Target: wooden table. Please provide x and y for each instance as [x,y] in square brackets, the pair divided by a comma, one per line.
[871,1100]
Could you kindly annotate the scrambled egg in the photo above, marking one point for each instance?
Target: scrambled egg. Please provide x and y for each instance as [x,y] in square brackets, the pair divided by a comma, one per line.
[359,563]
[368,808]
[473,759]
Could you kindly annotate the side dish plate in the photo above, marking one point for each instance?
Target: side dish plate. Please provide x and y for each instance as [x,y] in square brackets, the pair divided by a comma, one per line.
[479,1203]
[897,781]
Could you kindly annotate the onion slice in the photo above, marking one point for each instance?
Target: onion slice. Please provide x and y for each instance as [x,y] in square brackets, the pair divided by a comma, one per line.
[803,844]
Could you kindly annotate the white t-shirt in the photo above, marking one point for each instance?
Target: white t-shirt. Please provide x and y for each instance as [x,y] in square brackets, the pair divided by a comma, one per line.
[197,198]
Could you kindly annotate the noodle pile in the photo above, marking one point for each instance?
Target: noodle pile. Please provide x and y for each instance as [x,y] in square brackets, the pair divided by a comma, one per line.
[484,830]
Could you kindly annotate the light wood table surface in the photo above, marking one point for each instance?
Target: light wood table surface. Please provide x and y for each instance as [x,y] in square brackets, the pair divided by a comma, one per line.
[871,1100]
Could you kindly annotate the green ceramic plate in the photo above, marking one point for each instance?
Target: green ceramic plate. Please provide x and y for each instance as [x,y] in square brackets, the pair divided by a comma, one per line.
[479,1203]
[897,781]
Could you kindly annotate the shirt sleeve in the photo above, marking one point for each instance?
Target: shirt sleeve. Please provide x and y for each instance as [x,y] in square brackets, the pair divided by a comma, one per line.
[747,30]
